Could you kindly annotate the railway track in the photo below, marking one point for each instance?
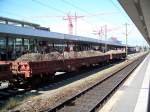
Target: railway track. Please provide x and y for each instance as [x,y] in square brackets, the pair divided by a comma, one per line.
[7,93]
[95,96]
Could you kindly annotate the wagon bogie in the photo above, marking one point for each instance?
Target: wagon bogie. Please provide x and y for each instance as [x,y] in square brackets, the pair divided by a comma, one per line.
[5,71]
[30,69]
[75,64]
[117,56]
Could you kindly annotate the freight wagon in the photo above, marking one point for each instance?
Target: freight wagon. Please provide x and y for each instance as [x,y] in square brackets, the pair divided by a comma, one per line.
[5,72]
[29,69]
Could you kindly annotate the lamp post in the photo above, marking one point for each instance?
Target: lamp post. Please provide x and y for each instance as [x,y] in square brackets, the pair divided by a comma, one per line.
[105,38]
[126,34]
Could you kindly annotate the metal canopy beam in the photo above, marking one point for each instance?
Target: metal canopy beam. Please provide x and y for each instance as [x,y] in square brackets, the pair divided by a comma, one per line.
[138,11]
[18,22]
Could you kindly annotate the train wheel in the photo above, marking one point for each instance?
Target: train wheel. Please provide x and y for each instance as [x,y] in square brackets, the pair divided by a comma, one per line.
[35,81]
[51,77]
[47,77]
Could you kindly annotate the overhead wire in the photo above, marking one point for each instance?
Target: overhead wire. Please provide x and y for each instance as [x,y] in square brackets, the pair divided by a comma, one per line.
[123,15]
[131,30]
[60,11]
[48,6]
[118,9]
[77,7]
[15,14]
[66,2]
[82,10]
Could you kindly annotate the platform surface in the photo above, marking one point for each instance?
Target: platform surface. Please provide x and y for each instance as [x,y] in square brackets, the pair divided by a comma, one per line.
[132,96]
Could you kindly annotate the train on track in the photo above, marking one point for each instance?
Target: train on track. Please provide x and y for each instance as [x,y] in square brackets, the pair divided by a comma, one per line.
[22,70]
[29,38]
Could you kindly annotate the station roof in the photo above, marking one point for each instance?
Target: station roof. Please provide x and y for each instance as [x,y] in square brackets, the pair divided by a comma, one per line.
[138,11]
[42,34]
[7,20]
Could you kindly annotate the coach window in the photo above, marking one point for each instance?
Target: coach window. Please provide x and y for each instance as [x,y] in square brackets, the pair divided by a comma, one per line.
[18,46]
[3,48]
[2,43]
[31,45]
[26,45]
[10,48]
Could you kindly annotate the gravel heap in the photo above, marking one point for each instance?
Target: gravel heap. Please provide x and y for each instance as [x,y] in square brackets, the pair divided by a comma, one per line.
[70,55]
[89,53]
[57,56]
[52,56]
[114,51]
[30,57]
[81,54]
[39,57]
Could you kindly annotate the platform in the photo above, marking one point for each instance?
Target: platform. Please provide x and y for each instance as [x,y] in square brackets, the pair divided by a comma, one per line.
[132,96]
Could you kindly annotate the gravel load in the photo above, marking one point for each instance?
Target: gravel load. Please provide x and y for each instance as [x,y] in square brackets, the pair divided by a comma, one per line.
[114,52]
[81,54]
[70,55]
[58,56]
[40,57]
[30,57]
[52,56]
[89,53]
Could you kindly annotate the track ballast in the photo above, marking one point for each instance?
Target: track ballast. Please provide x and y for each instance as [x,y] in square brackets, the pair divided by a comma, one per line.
[95,96]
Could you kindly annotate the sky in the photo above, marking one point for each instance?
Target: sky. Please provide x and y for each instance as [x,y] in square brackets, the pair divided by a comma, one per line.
[94,15]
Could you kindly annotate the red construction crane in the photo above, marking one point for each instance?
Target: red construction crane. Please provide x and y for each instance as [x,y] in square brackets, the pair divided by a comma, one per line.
[70,23]
[70,19]
[100,32]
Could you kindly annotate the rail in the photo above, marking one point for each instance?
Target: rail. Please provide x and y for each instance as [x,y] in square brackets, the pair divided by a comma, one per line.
[90,99]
